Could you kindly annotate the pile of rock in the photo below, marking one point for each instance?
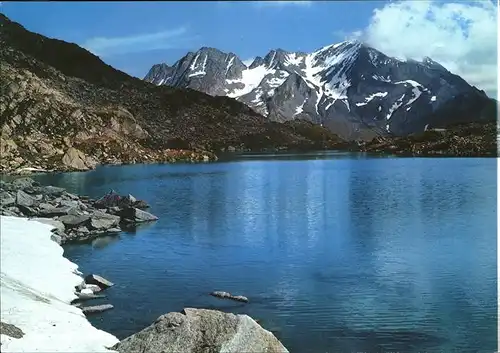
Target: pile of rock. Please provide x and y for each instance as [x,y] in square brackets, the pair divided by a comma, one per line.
[88,290]
[75,218]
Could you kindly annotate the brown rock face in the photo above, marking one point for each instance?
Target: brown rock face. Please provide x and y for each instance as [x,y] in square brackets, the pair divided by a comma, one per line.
[202,331]
[75,159]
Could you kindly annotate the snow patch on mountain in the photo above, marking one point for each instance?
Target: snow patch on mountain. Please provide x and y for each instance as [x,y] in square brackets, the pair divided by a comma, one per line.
[395,106]
[294,59]
[370,97]
[300,108]
[201,71]
[250,80]
[229,64]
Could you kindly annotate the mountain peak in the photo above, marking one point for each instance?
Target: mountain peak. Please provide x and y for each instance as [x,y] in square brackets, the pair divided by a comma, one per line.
[433,64]
[349,86]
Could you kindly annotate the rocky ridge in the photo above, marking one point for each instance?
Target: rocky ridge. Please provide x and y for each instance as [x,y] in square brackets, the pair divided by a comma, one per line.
[64,109]
[353,89]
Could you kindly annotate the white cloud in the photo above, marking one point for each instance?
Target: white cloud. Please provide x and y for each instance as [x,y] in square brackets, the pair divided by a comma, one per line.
[462,36]
[104,46]
[282,3]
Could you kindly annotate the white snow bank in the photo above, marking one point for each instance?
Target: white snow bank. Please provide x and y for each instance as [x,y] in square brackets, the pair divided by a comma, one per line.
[37,284]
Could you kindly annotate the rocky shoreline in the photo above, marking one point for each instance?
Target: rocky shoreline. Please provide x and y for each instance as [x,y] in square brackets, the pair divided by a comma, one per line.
[461,140]
[74,160]
[74,218]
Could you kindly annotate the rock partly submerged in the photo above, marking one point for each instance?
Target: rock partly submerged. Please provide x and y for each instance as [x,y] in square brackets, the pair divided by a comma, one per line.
[98,281]
[226,295]
[202,330]
[96,309]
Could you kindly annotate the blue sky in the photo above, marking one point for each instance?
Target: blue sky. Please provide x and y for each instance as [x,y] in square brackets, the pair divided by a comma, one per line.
[146,33]
[132,36]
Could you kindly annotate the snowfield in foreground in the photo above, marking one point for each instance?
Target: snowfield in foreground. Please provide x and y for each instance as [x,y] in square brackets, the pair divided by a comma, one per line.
[37,285]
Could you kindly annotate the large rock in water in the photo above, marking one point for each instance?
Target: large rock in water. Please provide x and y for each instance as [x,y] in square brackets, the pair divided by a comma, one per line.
[201,330]
[102,282]
[135,215]
[96,309]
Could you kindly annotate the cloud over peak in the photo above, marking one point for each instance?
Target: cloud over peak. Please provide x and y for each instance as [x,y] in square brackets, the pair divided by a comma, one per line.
[462,36]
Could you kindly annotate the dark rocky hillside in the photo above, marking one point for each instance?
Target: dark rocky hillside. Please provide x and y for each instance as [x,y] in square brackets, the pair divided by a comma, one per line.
[65,109]
[451,134]
[461,140]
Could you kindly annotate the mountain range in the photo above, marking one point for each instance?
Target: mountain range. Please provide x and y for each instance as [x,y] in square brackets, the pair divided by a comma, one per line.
[354,90]
[63,108]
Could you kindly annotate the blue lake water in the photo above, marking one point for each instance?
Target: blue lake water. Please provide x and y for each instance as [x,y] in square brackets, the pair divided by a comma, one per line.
[336,252]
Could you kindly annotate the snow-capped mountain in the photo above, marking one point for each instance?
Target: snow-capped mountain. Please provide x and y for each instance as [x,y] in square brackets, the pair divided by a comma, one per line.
[355,90]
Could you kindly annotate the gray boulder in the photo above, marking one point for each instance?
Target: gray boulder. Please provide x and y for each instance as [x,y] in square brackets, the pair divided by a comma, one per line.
[141,204]
[27,211]
[75,211]
[98,280]
[82,230]
[6,199]
[71,196]
[8,212]
[23,199]
[201,330]
[56,238]
[96,309]
[47,210]
[69,203]
[102,221]
[226,295]
[22,183]
[72,221]
[93,287]
[136,215]
[88,296]
[53,191]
